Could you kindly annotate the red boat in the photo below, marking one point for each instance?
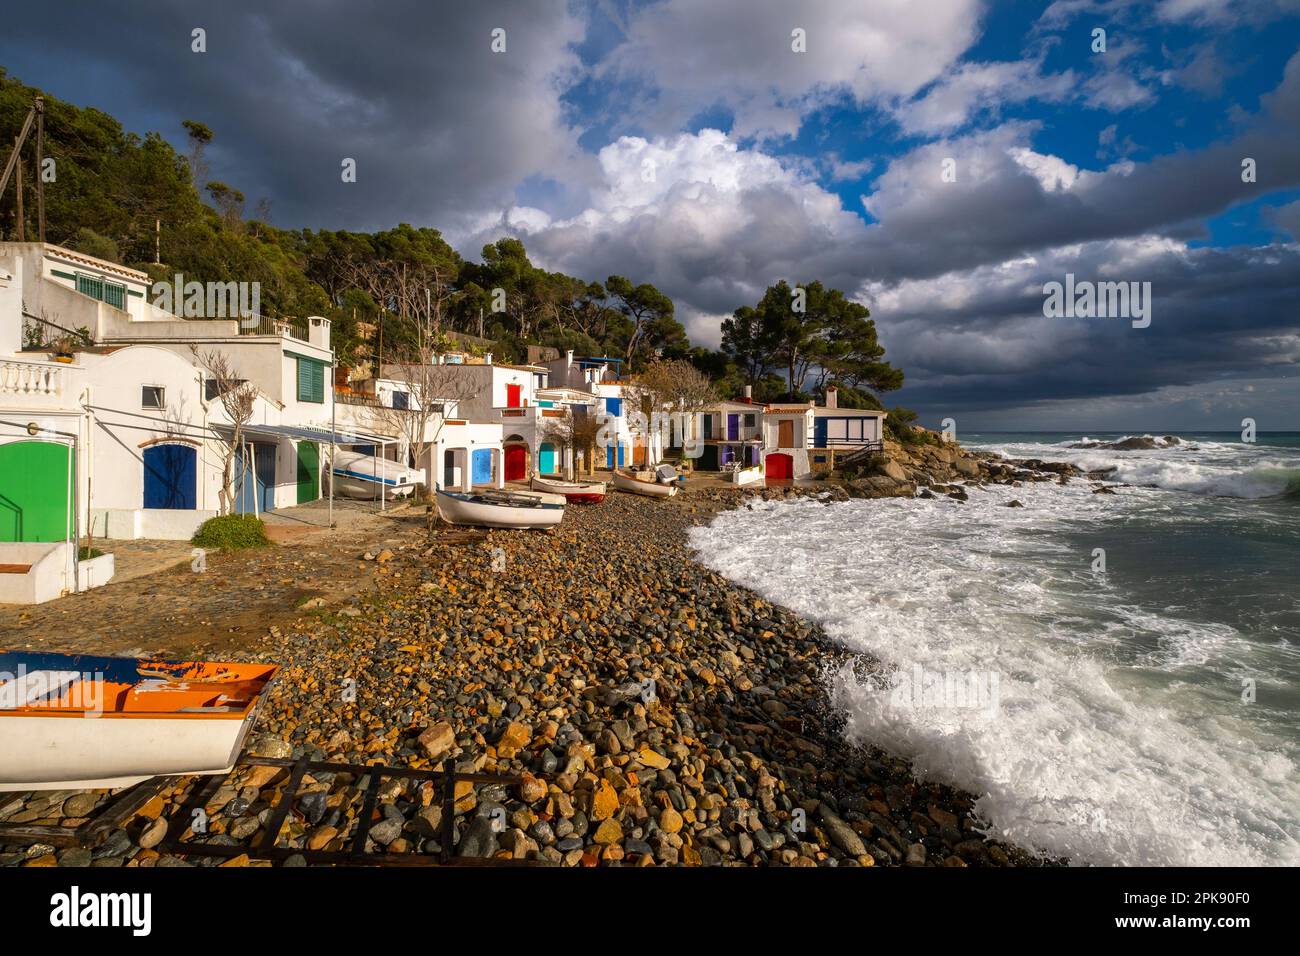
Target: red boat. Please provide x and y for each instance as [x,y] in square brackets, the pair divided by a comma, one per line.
[587,492]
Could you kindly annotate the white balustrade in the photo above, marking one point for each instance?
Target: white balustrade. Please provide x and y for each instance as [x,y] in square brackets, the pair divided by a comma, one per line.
[31,378]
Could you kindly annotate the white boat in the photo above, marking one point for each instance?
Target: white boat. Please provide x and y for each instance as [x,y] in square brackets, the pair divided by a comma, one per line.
[584,491]
[70,722]
[543,496]
[361,476]
[498,510]
[625,481]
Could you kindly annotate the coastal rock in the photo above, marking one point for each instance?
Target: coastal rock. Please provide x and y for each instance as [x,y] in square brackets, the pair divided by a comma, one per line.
[438,741]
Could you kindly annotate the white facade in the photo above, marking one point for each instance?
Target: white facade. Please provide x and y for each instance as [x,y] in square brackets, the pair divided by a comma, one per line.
[137,405]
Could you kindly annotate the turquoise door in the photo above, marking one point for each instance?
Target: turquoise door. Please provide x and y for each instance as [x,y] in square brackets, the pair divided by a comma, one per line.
[546,459]
[481,470]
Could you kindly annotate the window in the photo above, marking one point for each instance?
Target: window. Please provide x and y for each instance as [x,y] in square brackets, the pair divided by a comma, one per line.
[749,421]
[311,380]
[212,392]
[152,396]
[112,293]
[401,400]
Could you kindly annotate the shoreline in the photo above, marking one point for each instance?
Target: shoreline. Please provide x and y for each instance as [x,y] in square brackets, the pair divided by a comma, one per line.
[539,667]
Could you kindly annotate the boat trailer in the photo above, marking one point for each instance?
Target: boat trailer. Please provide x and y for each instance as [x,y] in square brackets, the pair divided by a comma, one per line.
[126,804]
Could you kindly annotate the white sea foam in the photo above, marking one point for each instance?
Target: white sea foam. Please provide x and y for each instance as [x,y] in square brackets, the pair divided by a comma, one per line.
[1220,469]
[1083,755]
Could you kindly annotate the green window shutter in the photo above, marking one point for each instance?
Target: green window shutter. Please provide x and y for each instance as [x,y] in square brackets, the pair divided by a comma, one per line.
[311,381]
[91,286]
[115,295]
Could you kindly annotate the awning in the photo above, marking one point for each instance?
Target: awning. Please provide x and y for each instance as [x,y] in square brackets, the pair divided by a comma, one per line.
[322,435]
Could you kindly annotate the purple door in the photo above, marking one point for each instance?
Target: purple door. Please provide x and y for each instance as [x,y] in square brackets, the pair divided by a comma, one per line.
[733,428]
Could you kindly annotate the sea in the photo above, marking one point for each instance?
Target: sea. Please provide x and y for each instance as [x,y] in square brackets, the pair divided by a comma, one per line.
[1116,677]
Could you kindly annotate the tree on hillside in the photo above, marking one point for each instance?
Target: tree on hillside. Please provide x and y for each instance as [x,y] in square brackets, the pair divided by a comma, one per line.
[229,203]
[810,330]
[200,135]
[747,340]
[650,314]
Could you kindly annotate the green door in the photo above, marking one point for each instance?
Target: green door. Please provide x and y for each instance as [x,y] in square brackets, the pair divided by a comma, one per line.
[308,471]
[34,493]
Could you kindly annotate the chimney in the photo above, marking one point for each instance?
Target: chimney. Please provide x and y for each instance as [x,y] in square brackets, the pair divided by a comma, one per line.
[318,331]
[487,358]
[832,396]
[749,393]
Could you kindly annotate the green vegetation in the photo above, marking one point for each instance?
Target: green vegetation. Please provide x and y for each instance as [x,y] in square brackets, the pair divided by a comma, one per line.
[231,532]
[85,553]
[389,294]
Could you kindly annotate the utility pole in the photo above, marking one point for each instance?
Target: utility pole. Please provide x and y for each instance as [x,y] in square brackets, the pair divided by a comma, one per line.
[40,168]
[18,191]
[157,242]
[38,109]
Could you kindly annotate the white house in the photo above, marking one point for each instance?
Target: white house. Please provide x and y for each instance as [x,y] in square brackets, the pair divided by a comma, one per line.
[458,454]
[799,440]
[625,439]
[140,409]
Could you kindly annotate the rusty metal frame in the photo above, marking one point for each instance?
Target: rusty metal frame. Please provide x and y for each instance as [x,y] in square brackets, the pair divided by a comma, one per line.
[95,831]
[266,848]
[125,805]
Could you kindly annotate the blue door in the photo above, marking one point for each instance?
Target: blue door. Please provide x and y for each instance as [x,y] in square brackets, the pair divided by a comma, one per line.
[481,470]
[169,477]
[819,433]
[257,491]
[609,455]
[733,428]
[614,406]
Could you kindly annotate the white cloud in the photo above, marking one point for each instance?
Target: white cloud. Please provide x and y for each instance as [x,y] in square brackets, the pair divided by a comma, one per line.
[737,53]
[974,87]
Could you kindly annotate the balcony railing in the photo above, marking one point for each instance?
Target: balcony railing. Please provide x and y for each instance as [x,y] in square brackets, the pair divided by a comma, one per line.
[31,378]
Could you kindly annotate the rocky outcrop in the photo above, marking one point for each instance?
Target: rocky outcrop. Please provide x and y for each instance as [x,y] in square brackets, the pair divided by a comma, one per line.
[1132,443]
[949,469]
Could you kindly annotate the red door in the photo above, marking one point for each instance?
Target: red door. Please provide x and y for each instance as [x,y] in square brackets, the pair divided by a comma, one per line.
[516,462]
[512,396]
[779,467]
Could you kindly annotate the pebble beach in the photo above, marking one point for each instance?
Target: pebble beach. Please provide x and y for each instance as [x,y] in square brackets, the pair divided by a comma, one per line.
[656,714]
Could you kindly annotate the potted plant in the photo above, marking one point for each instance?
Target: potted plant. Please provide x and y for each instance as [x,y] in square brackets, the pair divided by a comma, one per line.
[61,348]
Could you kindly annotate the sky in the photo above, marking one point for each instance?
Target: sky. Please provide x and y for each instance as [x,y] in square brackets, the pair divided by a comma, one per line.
[940,161]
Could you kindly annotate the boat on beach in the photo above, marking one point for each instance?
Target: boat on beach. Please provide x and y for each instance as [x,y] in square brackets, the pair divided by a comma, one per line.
[647,485]
[361,476]
[71,721]
[588,492]
[501,509]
